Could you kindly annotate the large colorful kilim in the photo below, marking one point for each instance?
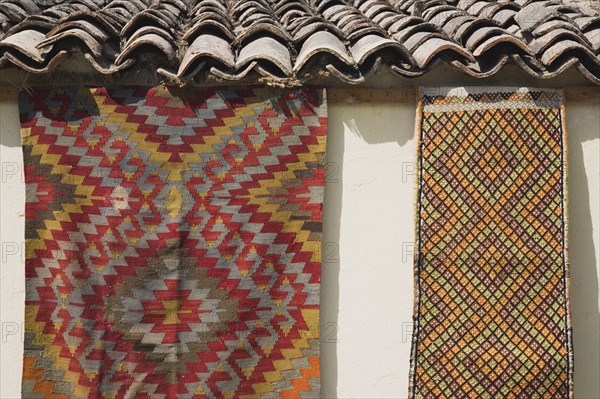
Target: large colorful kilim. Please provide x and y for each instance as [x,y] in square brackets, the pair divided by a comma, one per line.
[492,316]
[173,242]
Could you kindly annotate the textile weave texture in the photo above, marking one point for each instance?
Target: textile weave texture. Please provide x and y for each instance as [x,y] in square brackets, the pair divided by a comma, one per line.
[172,242]
[492,316]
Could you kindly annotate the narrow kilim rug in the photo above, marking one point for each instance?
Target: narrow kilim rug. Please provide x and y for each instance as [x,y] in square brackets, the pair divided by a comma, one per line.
[492,316]
[173,242]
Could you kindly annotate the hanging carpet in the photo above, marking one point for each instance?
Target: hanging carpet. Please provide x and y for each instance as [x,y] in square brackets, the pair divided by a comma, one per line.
[172,242]
[492,315]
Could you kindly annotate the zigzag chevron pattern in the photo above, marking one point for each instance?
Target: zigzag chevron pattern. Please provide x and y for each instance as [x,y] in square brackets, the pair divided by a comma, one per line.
[173,242]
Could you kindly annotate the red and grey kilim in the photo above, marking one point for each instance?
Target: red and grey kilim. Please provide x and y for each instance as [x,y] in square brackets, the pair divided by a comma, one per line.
[173,242]
[492,315]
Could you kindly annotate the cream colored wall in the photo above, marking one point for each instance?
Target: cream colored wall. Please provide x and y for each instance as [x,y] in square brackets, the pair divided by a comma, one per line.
[367,283]
[12,232]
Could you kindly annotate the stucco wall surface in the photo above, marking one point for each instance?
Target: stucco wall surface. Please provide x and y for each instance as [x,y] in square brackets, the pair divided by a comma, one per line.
[367,281]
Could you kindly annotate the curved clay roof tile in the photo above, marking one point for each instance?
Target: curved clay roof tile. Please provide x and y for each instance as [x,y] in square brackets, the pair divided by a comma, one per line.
[295,40]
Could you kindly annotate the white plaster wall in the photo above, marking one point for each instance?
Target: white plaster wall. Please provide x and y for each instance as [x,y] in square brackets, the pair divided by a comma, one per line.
[367,283]
[368,215]
[12,257]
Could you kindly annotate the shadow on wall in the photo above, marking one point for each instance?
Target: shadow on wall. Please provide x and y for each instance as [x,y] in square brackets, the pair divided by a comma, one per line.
[9,136]
[330,269]
[362,121]
[581,120]
[363,127]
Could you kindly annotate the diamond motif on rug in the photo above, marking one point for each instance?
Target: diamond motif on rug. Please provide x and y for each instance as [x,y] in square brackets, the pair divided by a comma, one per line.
[492,317]
[173,242]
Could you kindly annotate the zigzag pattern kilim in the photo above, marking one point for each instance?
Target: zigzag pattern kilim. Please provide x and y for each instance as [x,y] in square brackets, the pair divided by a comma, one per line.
[492,317]
[173,242]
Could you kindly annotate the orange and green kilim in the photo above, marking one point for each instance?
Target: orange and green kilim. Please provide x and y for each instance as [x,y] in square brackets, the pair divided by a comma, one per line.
[492,315]
[173,242]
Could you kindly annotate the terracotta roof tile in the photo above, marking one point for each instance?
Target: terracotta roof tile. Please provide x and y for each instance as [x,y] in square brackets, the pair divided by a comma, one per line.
[294,40]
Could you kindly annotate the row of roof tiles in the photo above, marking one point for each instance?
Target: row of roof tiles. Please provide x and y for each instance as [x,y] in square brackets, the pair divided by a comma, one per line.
[296,39]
